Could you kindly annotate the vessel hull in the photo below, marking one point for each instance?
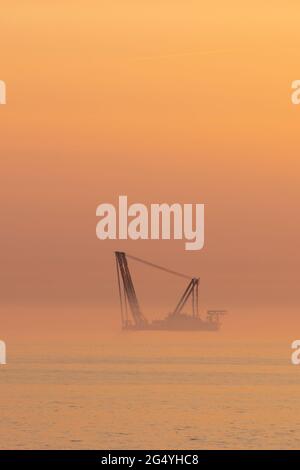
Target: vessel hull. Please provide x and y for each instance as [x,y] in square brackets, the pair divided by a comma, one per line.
[173,325]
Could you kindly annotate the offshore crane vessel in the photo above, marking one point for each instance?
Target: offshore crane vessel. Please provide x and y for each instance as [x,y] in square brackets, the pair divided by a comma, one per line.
[133,318]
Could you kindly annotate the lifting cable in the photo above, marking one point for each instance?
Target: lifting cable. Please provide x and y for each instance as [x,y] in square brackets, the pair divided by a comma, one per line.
[159,267]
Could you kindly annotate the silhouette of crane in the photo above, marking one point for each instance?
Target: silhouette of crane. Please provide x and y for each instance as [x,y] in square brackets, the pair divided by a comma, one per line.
[176,320]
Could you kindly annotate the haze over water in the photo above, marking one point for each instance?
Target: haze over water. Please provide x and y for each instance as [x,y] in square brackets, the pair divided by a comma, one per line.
[150,390]
[162,103]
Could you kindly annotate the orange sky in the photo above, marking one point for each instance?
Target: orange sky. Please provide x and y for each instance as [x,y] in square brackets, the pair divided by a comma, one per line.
[169,101]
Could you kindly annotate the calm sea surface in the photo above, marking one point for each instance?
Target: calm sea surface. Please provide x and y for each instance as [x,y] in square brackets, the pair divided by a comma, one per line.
[162,391]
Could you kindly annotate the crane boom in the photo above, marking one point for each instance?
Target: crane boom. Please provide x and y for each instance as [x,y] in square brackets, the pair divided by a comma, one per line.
[127,292]
[191,290]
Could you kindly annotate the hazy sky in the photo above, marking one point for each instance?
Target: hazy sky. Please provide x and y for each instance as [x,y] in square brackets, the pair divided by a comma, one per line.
[169,101]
